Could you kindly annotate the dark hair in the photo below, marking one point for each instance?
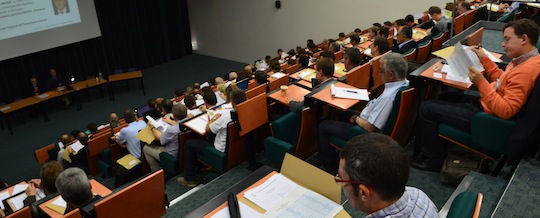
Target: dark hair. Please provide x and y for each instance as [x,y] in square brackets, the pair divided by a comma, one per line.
[342,34]
[409,18]
[406,31]
[466,5]
[378,161]
[166,106]
[382,44]
[48,173]
[189,101]
[384,31]
[309,41]
[291,52]
[179,92]
[525,26]
[260,77]
[354,55]
[387,23]
[434,10]
[311,45]
[291,62]
[401,22]
[130,115]
[328,54]
[357,30]
[326,66]
[303,60]
[210,98]
[238,96]
[275,66]
[92,127]
[279,50]
[355,38]
[377,25]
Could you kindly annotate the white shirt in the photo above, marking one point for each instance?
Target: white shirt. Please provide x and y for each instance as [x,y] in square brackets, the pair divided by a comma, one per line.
[378,110]
[219,127]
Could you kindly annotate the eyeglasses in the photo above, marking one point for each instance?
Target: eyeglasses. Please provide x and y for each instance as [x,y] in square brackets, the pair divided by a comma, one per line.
[505,40]
[338,179]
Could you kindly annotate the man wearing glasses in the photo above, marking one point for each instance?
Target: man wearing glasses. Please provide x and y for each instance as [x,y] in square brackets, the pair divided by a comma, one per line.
[373,170]
[503,95]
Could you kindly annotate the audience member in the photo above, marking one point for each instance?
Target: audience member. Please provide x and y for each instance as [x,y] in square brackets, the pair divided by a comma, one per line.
[374,173]
[92,128]
[210,100]
[328,54]
[219,80]
[373,117]
[380,46]
[324,68]
[384,31]
[352,58]
[113,121]
[503,97]
[233,76]
[46,182]
[168,139]
[129,133]
[75,189]
[404,40]
[217,125]
[462,7]
[410,20]
[37,89]
[260,77]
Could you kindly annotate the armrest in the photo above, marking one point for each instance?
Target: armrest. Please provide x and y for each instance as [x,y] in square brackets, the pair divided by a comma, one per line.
[491,132]
[356,130]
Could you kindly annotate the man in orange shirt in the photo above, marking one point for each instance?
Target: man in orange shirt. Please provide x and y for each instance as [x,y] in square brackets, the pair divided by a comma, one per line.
[503,97]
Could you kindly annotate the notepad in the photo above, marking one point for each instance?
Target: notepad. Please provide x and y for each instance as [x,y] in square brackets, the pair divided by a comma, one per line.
[59,205]
[158,124]
[17,202]
[128,161]
[3,196]
[146,135]
[43,95]
[349,93]
[5,108]
[278,75]
[307,74]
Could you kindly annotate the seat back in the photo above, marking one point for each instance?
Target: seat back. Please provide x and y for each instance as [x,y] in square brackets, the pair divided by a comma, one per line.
[94,148]
[359,76]
[391,39]
[287,127]
[410,55]
[469,18]
[466,204]
[424,50]
[476,37]
[376,80]
[292,69]
[338,55]
[438,40]
[406,116]
[25,212]
[252,84]
[256,91]
[307,138]
[235,151]
[275,84]
[73,214]
[42,154]
[128,202]
[392,118]
[459,24]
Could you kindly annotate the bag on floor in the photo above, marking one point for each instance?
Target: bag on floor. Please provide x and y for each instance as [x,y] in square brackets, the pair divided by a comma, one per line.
[459,163]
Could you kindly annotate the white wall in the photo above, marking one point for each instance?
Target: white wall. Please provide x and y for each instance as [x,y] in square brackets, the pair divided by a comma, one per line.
[246,30]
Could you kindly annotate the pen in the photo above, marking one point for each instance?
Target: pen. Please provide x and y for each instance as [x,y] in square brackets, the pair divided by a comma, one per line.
[479,46]
[351,91]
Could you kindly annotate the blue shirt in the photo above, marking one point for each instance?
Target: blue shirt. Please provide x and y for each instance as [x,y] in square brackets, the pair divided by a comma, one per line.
[128,135]
[413,203]
[378,110]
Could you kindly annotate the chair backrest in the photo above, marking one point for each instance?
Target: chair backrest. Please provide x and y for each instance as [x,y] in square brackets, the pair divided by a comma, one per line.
[406,115]
[73,214]
[275,84]
[251,84]
[338,55]
[466,204]
[128,202]
[287,127]
[376,80]
[476,37]
[424,49]
[243,84]
[410,55]
[439,40]
[469,18]
[256,91]
[359,76]
[307,138]
[252,113]
[235,146]
[94,148]
[292,69]
[391,39]
[459,24]
[25,212]
[42,154]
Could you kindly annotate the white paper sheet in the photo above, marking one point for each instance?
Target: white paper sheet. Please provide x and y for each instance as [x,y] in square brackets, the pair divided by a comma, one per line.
[3,196]
[198,124]
[5,108]
[278,75]
[77,146]
[461,58]
[60,202]
[17,201]
[359,94]
[19,188]
[305,203]
[272,192]
[43,96]
[245,211]
[158,124]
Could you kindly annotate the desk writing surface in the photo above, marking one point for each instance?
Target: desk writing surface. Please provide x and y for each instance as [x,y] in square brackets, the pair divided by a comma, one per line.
[339,70]
[428,73]
[340,103]
[14,106]
[419,34]
[88,83]
[97,188]
[53,94]
[125,76]
[365,45]
[446,52]
[197,123]
[294,92]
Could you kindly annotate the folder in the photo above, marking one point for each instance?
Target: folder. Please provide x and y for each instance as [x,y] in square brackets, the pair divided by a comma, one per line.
[146,135]
[128,161]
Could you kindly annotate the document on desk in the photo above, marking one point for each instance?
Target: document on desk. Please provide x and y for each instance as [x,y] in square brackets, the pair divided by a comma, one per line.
[307,74]
[59,205]
[158,124]
[278,75]
[5,108]
[16,203]
[245,211]
[77,146]
[19,188]
[198,124]
[459,61]
[42,96]
[3,196]
[350,93]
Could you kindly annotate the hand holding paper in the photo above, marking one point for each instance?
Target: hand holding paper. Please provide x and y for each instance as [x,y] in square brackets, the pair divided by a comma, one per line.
[475,75]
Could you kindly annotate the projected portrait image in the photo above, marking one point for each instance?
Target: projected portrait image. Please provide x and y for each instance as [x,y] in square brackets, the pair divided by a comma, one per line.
[60,6]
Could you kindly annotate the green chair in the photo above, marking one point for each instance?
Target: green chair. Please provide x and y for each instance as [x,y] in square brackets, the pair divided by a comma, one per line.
[488,137]
[172,165]
[466,204]
[399,123]
[294,133]
[104,164]
[235,151]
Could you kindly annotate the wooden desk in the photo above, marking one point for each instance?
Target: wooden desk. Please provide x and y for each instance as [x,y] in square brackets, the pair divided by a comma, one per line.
[15,106]
[339,103]
[303,82]
[294,92]
[196,122]
[10,188]
[124,77]
[365,45]
[97,188]
[419,34]
[339,70]
[428,73]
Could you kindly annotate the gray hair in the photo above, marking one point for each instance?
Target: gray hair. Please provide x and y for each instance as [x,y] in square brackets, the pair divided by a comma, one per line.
[219,80]
[179,111]
[74,187]
[395,63]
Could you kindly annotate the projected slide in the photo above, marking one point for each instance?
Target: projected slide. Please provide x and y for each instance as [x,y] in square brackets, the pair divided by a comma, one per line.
[21,17]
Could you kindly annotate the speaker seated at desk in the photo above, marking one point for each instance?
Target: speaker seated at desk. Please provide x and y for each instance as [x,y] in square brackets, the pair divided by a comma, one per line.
[373,117]
[324,75]
[217,125]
